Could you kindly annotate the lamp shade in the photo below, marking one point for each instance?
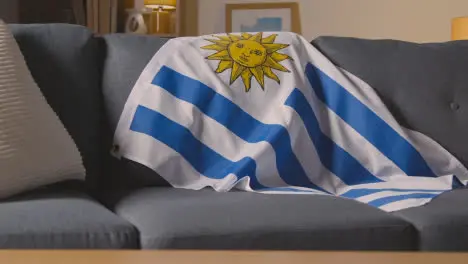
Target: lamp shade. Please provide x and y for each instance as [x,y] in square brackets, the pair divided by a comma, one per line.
[460,28]
[171,3]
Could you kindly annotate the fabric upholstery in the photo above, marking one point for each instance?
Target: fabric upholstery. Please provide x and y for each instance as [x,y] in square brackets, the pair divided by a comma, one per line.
[442,223]
[423,85]
[64,61]
[126,57]
[169,218]
[62,218]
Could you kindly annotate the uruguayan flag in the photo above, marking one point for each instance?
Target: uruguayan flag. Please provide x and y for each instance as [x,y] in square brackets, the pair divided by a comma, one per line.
[267,112]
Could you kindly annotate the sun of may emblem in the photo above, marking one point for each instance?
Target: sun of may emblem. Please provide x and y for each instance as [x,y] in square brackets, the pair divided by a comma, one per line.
[248,55]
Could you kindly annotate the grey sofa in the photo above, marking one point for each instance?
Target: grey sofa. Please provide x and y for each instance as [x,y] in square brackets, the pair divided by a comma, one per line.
[86,79]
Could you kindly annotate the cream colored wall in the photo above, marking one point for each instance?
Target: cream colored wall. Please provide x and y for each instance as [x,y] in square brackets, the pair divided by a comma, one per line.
[410,20]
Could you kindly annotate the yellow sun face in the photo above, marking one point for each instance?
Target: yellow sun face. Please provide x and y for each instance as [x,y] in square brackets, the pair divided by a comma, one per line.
[247,53]
[248,56]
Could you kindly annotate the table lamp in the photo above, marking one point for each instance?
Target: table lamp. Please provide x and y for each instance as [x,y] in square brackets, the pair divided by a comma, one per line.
[460,28]
[161,4]
[163,15]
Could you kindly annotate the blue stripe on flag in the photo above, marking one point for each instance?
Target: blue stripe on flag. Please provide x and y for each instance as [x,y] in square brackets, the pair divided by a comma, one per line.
[390,199]
[332,156]
[203,159]
[367,123]
[356,193]
[237,121]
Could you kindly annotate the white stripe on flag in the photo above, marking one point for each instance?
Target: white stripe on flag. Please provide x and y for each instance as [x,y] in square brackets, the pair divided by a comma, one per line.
[378,195]
[398,205]
[406,183]
[308,157]
[214,135]
[175,169]
[304,150]
[369,97]
[353,142]
[440,164]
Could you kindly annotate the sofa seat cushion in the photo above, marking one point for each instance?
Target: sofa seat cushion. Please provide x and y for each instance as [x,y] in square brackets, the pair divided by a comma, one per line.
[442,223]
[65,219]
[169,218]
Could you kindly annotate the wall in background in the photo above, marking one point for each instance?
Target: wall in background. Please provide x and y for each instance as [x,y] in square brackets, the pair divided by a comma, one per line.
[9,11]
[410,20]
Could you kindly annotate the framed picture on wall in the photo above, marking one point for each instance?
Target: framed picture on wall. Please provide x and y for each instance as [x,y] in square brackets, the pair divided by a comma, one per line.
[256,17]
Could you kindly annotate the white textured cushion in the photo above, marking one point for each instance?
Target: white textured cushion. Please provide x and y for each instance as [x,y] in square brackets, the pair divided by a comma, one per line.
[35,148]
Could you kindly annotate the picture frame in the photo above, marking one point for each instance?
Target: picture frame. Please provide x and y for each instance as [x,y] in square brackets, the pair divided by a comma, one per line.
[256,17]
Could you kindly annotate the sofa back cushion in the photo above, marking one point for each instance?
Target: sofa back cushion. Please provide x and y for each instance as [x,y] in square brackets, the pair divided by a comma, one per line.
[425,86]
[64,61]
[126,57]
